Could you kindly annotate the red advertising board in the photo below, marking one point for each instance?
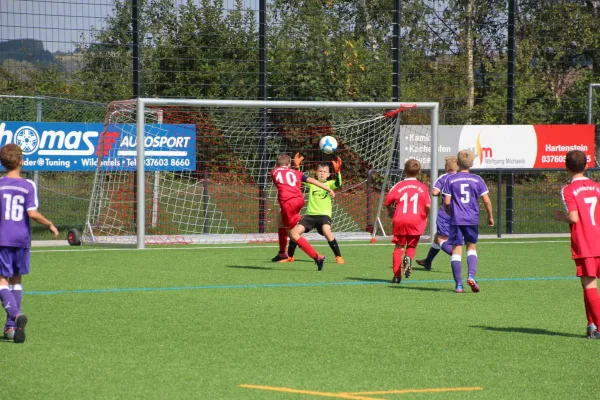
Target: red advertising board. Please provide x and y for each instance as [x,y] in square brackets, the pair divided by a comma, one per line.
[554,141]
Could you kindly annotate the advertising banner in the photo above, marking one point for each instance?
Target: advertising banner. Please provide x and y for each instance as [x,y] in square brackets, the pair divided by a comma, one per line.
[501,146]
[73,146]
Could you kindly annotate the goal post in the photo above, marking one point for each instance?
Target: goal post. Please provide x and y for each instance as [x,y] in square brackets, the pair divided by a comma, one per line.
[197,171]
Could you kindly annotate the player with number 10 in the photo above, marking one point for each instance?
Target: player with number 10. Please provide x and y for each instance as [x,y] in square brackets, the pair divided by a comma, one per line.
[18,203]
[461,200]
[291,200]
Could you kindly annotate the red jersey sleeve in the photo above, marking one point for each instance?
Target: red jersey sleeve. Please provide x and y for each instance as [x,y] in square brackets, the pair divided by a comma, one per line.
[392,196]
[568,199]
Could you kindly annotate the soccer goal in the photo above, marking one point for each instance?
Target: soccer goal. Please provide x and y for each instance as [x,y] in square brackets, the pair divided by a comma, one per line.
[202,174]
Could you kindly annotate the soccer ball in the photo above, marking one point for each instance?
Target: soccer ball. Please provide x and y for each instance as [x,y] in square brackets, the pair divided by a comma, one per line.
[328,144]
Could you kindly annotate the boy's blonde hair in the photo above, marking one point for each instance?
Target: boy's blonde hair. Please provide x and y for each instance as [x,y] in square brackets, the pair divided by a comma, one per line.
[465,159]
[283,160]
[451,163]
[412,168]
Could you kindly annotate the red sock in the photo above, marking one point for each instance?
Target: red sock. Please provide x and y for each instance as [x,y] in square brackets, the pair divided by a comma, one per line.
[397,262]
[306,247]
[588,312]
[593,301]
[410,252]
[282,233]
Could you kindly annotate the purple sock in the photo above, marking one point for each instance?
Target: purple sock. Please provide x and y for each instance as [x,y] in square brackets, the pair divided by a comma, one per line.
[456,269]
[472,262]
[8,302]
[446,247]
[433,251]
[10,322]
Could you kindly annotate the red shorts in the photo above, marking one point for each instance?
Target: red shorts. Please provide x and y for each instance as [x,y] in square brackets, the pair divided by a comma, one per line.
[589,266]
[409,240]
[290,212]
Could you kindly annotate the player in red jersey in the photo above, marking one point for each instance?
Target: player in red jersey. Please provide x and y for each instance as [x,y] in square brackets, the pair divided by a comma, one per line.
[291,200]
[412,203]
[581,198]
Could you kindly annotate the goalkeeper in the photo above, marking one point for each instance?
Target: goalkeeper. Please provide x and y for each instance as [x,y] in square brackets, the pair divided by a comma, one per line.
[318,210]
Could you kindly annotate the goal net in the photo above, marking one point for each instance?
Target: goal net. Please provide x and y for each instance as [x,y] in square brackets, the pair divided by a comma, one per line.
[203,174]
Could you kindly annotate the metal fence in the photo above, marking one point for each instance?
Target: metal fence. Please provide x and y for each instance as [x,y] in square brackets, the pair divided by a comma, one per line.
[485,62]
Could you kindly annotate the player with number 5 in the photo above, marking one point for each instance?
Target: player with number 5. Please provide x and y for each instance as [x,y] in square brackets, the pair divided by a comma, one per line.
[18,203]
[581,198]
[461,201]
[291,200]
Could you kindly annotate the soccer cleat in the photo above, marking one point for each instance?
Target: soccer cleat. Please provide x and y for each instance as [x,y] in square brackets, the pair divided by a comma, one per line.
[424,263]
[407,262]
[396,279]
[591,328]
[9,334]
[594,335]
[20,328]
[459,289]
[287,260]
[320,260]
[474,286]
[280,256]
[339,260]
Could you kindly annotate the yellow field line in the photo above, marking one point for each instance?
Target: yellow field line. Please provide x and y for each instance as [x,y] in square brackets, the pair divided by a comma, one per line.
[434,390]
[309,392]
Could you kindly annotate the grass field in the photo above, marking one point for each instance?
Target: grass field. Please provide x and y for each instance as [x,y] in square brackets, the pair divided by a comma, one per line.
[201,323]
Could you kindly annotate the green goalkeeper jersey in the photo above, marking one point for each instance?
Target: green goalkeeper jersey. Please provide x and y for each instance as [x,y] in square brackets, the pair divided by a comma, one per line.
[319,201]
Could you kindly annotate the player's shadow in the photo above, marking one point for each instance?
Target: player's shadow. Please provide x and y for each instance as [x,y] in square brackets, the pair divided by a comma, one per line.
[531,331]
[368,279]
[252,267]
[424,289]
[258,268]
[429,271]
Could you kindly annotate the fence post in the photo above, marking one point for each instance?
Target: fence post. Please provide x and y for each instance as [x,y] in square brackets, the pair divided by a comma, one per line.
[510,106]
[262,95]
[396,51]
[499,201]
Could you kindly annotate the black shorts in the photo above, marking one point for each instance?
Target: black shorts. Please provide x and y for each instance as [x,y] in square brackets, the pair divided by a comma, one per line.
[315,221]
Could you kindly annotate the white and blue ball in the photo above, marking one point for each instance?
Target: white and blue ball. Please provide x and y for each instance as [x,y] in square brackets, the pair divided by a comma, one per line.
[328,144]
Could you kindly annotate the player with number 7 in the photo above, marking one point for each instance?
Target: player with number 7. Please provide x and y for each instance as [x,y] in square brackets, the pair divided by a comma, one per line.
[462,192]
[581,198]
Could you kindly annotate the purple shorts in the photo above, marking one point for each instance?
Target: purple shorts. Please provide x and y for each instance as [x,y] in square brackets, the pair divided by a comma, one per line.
[460,234]
[14,261]
[443,223]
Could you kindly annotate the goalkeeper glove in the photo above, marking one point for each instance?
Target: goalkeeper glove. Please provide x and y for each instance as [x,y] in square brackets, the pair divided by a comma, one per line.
[337,165]
[297,160]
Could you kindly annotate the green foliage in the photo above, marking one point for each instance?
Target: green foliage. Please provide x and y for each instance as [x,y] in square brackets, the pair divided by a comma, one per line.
[339,50]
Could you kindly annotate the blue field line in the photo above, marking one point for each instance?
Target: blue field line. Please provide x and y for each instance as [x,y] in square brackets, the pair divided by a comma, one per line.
[289,285]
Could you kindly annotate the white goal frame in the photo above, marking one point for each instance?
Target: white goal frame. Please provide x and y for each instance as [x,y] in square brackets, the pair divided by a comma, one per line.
[142,103]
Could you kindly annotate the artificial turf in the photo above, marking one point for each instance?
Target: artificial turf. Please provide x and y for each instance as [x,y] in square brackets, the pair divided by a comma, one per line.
[190,322]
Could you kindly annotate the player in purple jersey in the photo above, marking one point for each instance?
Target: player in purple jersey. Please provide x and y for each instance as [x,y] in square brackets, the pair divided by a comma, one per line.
[18,203]
[461,201]
[440,240]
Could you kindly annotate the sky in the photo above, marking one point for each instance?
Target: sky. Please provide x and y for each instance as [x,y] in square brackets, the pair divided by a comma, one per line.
[61,23]
[58,23]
